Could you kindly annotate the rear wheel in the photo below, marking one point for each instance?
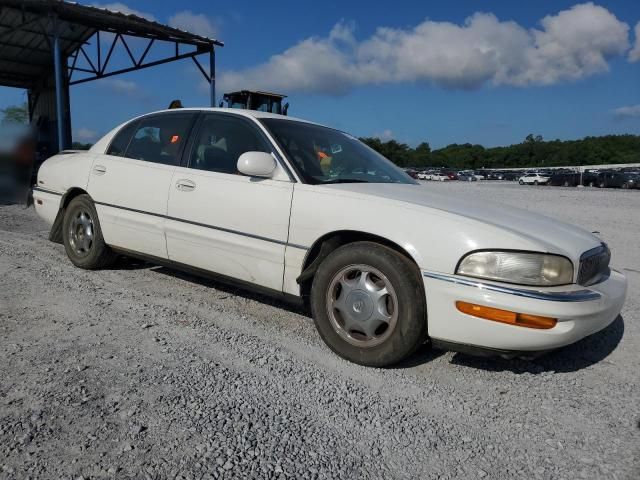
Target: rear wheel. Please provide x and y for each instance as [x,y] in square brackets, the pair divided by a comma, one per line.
[368,304]
[625,185]
[592,184]
[82,236]
[521,182]
[535,182]
[566,183]
[601,185]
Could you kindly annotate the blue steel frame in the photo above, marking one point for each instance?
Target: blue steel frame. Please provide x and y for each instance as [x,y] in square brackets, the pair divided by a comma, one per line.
[99,68]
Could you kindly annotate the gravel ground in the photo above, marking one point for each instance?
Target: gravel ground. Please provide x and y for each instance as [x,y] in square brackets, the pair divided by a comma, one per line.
[142,372]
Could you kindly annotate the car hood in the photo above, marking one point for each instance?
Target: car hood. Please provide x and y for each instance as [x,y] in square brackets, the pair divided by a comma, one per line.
[551,235]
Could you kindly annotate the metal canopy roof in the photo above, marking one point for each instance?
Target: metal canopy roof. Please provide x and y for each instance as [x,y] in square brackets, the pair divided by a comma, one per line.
[27,26]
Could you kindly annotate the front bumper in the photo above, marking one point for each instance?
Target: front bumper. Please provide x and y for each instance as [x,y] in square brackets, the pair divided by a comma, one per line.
[580,311]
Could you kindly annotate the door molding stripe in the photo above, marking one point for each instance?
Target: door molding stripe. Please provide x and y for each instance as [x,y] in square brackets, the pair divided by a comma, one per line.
[204,225]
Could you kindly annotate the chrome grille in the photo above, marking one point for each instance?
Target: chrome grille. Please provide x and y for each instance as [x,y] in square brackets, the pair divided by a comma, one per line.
[594,265]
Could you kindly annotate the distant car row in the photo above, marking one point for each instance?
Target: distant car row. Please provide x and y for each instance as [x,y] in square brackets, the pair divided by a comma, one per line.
[590,178]
[442,175]
[626,178]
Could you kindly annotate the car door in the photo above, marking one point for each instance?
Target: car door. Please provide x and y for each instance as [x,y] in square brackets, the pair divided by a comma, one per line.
[130,182]
[224,222]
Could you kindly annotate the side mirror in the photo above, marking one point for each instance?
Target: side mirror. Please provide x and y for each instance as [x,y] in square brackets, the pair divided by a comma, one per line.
[256,164]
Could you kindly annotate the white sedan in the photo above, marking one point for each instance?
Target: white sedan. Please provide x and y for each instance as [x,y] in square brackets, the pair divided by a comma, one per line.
[440,177]
[533,179]
[311,214]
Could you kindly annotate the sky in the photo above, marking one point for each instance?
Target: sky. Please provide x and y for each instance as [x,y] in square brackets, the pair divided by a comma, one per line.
[486,72]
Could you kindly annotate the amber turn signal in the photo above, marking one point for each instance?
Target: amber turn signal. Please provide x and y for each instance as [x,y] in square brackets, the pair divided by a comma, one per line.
[505,316]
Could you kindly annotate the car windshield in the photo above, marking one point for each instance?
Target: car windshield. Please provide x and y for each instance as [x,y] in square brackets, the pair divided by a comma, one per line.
[323,155]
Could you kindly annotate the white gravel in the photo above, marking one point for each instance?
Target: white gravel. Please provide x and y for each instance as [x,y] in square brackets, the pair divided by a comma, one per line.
[142,372]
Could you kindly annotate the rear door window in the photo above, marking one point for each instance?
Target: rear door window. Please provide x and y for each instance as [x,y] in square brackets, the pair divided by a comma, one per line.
[160,138]
[121,140]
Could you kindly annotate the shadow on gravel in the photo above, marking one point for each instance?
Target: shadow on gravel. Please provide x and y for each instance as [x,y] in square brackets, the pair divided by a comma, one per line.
[232,290]
[127,263]
[571,358]
[424,354]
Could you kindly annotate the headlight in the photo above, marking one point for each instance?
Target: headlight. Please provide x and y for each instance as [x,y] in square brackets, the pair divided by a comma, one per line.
[539,269]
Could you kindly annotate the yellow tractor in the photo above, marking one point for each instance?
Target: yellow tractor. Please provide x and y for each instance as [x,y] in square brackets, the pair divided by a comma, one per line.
[256,100]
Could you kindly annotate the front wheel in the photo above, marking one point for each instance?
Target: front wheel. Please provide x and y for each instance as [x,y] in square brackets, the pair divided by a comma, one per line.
[521,182]
[82,235]
[535,182]
[368,304]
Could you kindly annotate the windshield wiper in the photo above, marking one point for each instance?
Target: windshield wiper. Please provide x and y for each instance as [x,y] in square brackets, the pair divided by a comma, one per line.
[343,180]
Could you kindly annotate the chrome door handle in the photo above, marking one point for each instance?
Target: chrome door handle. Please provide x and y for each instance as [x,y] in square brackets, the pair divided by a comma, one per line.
[99,169]
[185,185]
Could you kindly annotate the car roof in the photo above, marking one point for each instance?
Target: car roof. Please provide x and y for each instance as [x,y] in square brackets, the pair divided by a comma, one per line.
[234,111]
[101,145]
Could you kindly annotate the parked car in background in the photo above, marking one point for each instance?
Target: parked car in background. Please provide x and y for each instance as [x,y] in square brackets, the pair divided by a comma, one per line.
[440,177]
[424,175]
[533,179]
[510,175]
[590,178]
[466,177]
[284,206]
[565,179]
[412,173]
[451,174]
[614,179]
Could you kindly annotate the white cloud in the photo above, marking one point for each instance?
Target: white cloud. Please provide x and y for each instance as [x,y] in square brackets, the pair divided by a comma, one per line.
[634,54]
[574,44]
[569,45]
[122,8]
[630,111]
[120,86]
[385,135]
[85,135]
[195,23]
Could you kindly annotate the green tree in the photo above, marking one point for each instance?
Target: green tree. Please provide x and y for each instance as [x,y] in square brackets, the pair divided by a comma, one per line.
[421,156]
[15,114]
[533,151]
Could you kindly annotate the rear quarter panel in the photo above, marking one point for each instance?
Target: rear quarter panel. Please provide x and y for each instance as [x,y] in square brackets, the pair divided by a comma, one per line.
[64,171]
[56,176]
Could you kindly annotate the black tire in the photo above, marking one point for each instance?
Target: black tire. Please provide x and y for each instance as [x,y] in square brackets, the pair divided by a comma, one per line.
[521,182]
[535,182]
[97,254]
[601,185]
[592,184]
[410,329]
[625,185]
[566,183]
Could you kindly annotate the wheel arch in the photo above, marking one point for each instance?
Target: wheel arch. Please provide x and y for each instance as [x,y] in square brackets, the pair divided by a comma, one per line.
[329,242]
[55,235]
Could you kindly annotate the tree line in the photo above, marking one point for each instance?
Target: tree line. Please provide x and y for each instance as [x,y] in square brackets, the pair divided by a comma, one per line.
[534,151]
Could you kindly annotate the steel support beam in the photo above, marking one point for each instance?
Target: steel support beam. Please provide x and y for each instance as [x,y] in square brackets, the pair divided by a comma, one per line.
[57,66]
[133,68]
[212,75]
